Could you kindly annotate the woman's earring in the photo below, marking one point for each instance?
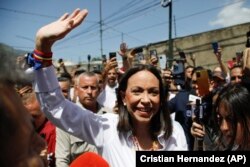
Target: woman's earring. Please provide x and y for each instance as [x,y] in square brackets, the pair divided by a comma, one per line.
[124,104]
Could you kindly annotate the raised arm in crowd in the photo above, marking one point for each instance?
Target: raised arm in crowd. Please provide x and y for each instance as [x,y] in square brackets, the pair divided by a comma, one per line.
[142,123]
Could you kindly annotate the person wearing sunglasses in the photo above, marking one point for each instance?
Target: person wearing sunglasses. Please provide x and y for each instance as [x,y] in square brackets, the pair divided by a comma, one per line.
[236,73]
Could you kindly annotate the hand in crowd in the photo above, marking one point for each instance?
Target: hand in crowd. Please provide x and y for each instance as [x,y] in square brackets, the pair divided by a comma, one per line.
[218,54]
[112,63]
[167,76]
[192,57]
[197,130]
[131,54]
[61,64]
[153,61]
[123,50]
[49,34]
[246,60]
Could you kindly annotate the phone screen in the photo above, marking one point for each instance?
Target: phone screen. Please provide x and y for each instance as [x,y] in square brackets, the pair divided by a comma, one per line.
[215,46]
[112,54]
[140,56]
[202,82]
[153,53]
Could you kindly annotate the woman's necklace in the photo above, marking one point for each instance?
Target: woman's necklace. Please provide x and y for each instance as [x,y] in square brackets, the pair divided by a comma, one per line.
[138,148]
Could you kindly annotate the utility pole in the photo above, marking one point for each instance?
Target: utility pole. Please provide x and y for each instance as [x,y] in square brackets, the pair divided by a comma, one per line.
[168,3]
[89,58]
[122,37]
[101,26]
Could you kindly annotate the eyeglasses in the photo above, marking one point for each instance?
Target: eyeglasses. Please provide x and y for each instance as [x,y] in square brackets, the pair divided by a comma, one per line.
[234,77]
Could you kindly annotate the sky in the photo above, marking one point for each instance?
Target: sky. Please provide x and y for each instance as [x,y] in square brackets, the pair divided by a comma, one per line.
[136,22]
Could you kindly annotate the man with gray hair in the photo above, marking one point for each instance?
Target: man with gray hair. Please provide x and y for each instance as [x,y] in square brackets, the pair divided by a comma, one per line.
[69,147]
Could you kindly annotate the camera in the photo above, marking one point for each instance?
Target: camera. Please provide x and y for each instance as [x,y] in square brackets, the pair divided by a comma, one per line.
[178,74]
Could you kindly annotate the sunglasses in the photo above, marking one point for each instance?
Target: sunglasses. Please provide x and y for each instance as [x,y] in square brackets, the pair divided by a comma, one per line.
[234,77]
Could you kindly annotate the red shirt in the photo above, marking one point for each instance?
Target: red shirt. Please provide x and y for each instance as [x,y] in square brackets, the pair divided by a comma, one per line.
[48,131]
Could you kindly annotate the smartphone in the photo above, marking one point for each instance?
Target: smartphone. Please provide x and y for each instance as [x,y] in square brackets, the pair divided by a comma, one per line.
[138,50]
[112,54]
[202,82]
[215,46]
[140,56]
[153,53]
[239,56]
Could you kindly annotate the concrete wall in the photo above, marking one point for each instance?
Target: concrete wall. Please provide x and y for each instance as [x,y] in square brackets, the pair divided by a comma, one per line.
[231,39]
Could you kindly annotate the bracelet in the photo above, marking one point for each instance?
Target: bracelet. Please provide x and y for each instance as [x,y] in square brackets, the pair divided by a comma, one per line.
[38,59]
[43,55]
[44,58]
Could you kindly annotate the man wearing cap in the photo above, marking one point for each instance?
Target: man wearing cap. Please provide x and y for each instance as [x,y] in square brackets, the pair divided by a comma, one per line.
[218,79]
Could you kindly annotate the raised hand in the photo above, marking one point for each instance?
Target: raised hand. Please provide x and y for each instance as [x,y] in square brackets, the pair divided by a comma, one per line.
[49,34]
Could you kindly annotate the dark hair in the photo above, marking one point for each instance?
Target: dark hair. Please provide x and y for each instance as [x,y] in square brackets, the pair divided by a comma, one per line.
[161,121]
[10,107]
[63,79]
[189,66]
[236,66]
[197,69]
[66,75]
[79,71]
[237,99]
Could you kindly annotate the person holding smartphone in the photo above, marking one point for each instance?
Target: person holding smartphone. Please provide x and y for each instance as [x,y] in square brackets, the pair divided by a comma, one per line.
[179,103]
[218,53]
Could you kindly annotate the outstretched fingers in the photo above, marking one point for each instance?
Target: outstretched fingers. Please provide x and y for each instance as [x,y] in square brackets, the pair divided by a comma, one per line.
[63,17]
[80,17]
[74,13]
[75,18]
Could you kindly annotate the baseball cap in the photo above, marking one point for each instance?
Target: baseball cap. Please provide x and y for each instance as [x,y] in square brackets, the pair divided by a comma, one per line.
[218,74]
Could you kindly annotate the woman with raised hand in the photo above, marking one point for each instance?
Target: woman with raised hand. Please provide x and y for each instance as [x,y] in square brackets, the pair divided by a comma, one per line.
[142,122]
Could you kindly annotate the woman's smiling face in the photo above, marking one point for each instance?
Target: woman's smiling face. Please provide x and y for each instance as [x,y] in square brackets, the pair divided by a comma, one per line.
[142,96]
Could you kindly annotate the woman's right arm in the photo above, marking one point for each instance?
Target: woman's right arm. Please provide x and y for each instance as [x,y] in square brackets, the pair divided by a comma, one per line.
[63,113]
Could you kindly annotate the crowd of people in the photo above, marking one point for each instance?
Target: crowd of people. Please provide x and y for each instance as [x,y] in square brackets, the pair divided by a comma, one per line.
[115,112]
